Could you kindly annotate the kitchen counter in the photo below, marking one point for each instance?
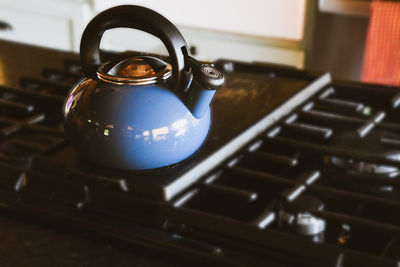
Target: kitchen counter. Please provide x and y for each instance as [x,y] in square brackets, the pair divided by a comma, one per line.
[24,243]
[18,60]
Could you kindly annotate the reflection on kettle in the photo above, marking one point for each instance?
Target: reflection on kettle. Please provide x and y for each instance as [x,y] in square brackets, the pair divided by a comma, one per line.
[141,112]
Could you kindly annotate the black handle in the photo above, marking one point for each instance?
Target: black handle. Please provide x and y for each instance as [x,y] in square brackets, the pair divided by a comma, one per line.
[139,18]
[4,26]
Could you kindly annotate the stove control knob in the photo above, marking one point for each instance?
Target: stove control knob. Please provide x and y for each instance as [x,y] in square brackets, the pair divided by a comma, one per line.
[307,224]
[295,217]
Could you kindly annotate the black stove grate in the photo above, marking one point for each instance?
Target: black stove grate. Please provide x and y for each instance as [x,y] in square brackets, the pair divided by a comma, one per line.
[244,211]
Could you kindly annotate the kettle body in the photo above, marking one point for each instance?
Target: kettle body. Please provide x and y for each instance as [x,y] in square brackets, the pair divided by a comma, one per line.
[132,128]
[141,112]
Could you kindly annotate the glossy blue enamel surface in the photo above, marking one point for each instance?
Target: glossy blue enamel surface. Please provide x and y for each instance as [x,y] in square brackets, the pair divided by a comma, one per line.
[132,127]
[203,100]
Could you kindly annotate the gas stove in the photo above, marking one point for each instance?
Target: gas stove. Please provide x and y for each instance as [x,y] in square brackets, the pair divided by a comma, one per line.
[297,170]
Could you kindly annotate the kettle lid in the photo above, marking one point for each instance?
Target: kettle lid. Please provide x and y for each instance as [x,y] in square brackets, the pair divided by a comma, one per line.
[138,70]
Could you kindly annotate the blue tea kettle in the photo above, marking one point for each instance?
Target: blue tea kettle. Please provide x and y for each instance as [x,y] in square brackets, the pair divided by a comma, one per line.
[141,112]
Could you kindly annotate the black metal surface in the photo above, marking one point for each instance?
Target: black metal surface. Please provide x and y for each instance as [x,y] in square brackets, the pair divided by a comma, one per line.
[231,216]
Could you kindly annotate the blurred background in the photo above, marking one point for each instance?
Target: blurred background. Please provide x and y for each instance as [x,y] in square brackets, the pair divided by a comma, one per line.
[322,35]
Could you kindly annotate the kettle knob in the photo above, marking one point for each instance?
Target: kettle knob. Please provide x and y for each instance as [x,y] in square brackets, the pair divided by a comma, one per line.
[139,18]
[206,81]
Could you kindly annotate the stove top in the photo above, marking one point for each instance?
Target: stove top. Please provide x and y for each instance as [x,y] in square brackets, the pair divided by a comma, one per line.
[297,170]
[244,100]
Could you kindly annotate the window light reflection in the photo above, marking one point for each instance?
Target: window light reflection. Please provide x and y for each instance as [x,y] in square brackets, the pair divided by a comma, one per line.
[181,126]
[160,133]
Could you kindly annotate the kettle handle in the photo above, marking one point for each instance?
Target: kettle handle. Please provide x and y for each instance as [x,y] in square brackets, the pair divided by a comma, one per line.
[139,18]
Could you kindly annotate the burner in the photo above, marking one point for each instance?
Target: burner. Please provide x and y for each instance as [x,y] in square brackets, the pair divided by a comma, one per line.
[294,217]
[355,168]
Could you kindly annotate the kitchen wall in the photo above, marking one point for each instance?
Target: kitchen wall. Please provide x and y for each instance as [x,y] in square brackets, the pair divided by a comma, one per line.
[338,44]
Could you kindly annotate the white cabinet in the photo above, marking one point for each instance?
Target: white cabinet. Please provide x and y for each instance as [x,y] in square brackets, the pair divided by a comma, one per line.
[282,19]
[35,29]
[207,45]
[50,23]
[252,30]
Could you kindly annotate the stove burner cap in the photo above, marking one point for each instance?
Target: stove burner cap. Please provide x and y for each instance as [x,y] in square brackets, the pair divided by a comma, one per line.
[371,142]
[295,217]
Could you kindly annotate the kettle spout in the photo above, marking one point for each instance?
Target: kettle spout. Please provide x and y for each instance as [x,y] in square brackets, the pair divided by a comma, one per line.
[205,83]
